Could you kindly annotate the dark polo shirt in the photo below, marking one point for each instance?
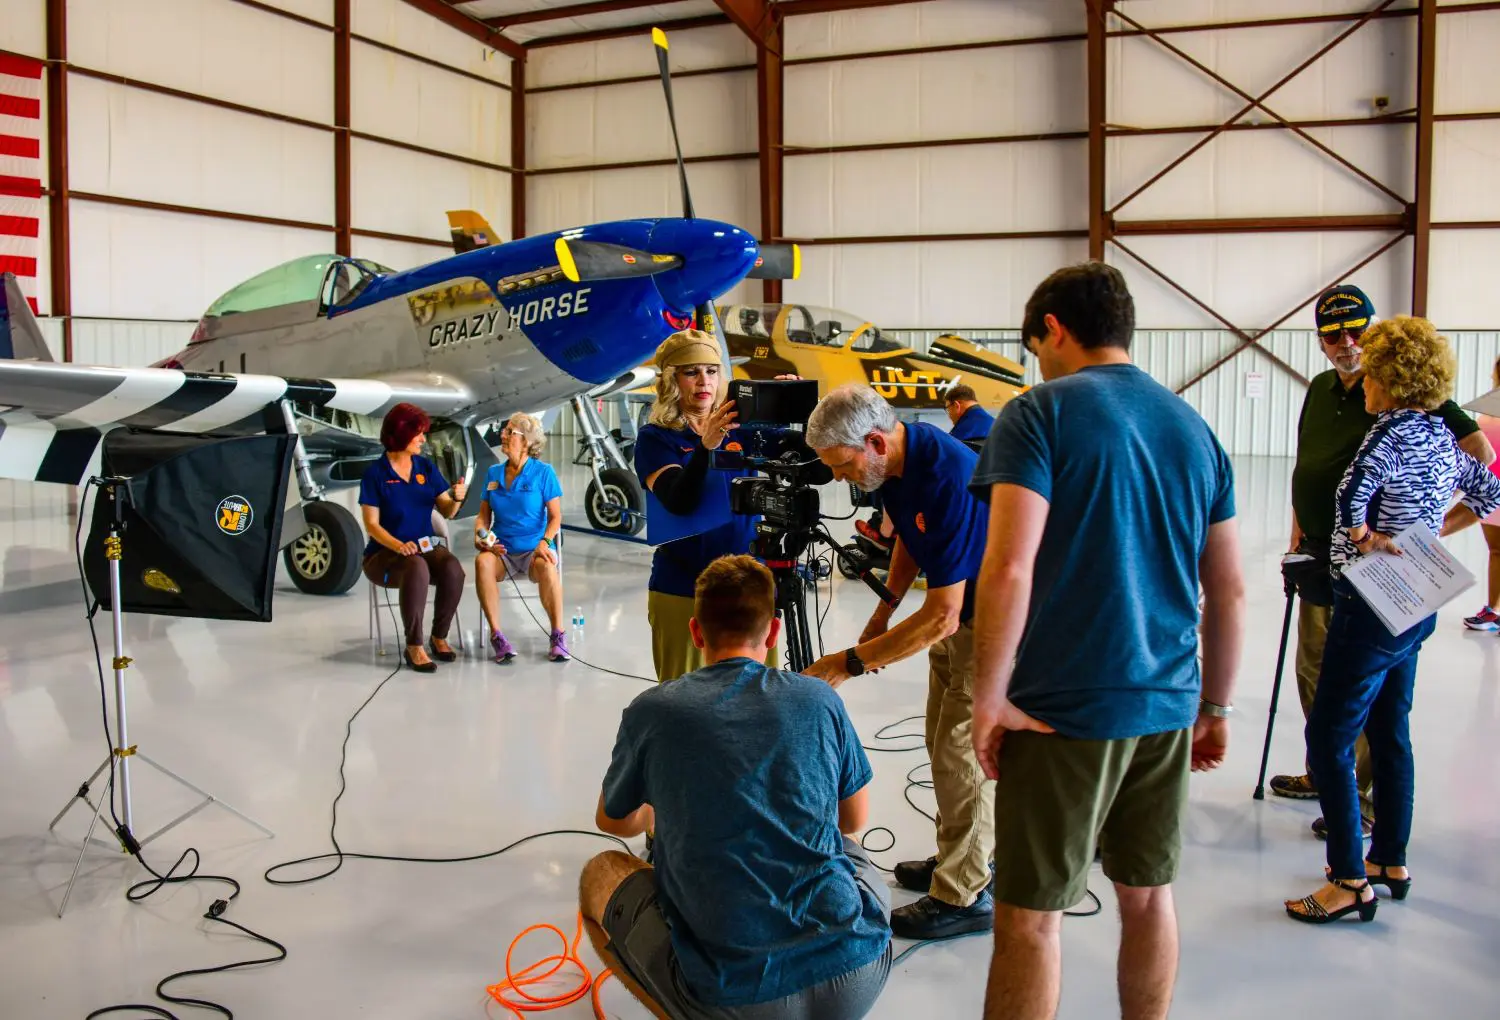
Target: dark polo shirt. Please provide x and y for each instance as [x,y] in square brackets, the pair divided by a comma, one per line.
[1333,424]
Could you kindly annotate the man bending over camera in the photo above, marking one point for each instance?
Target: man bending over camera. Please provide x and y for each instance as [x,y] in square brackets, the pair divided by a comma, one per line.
[758,908]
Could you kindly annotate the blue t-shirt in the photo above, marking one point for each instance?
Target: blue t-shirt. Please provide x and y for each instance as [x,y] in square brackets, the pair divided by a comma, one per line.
[405,505]
[972,424]
[518,513]
[745,767]
[937,519]
[1134,477]
[676,565]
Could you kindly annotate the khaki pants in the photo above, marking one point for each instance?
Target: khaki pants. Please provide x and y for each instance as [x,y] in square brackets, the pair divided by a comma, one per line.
[672,648]
[965,798]
[1312,635]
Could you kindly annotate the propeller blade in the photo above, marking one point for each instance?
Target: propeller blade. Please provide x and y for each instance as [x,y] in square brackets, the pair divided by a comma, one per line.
[596,260]
[709,322]
[777,262]
[659,38]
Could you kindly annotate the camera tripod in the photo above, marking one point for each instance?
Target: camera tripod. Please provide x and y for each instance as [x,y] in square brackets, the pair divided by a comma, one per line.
[121,750]
[780,550]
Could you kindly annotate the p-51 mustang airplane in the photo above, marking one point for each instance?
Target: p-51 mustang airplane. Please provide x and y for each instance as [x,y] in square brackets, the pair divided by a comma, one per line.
[325,345]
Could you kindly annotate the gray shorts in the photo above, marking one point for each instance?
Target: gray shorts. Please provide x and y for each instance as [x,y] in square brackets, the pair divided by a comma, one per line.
[641,942]
[515,564]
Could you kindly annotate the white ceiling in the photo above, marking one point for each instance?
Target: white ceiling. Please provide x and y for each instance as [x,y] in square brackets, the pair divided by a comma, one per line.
[670,11]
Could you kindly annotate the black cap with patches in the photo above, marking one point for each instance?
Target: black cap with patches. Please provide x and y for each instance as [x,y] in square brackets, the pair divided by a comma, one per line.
[1343,307]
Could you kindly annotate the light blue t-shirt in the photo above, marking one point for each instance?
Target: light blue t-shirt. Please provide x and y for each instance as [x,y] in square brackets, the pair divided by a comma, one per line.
[518,514]
[1134,477]
[745,767]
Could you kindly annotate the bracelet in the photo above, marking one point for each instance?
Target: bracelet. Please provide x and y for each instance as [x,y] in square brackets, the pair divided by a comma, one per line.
[1216,711]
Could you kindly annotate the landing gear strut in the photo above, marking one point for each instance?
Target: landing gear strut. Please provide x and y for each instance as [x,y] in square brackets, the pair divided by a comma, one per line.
[614,500]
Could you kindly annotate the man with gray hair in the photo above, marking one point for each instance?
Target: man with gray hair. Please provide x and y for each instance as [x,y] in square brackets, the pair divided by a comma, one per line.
[922,475]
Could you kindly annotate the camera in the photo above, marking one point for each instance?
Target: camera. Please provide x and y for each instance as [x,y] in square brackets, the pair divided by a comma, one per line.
[773,402]
[771,414]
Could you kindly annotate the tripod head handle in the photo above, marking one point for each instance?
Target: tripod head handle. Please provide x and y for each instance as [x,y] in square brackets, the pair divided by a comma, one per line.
[863,570]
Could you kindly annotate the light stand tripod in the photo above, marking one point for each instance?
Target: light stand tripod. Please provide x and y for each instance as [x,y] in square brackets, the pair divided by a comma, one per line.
[122,751]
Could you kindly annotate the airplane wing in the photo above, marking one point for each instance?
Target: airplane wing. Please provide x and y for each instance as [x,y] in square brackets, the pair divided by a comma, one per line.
[53,416]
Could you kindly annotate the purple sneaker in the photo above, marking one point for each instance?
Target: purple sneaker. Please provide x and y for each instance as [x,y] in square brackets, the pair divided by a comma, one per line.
[559,651]
[503,650]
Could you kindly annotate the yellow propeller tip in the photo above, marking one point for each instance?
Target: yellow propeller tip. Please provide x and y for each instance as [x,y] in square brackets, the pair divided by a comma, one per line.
[565,260]
[659,37]
[796,261]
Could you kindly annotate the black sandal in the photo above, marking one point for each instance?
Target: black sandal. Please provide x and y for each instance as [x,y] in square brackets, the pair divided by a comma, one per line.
[1398,887]
[1313,912]
[448,656]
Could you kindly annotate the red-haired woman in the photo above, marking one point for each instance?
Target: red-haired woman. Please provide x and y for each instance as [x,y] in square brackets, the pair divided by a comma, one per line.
[398,494]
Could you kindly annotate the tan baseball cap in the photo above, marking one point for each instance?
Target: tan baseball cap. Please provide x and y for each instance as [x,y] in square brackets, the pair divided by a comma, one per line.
[687,347]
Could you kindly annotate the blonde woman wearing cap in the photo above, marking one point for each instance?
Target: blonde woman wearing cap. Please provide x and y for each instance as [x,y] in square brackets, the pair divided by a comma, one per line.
[689,420]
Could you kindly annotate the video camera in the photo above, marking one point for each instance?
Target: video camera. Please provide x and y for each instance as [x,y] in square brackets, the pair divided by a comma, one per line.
[771,415]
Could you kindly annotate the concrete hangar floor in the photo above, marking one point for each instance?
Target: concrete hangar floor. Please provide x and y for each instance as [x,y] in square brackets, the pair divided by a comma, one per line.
[479,755]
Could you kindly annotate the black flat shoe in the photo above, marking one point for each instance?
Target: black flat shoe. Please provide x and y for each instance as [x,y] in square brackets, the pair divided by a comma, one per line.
[1313,912]
[448,656]
[933,919]
[420,667]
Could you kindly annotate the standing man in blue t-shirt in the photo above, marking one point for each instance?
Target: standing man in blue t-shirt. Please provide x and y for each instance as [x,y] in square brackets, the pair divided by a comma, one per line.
[922,476]
[971,423]
[1102,484]
[759,905]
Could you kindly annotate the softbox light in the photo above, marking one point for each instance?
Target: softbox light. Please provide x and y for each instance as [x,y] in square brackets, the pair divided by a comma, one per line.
[202,523]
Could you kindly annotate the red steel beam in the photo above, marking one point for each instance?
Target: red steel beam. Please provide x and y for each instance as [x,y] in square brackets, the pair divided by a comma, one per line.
[574,11]
[398,51]
[471,27]
[343,241]
[636,164]
[935,143]
[753,17]
[1421,227]
[791,7]
[602,34]
[636,79]
[1262,224]
[1002,235]
[1098,113]
[518,148]
[907,51]
[57,170]
[770,93]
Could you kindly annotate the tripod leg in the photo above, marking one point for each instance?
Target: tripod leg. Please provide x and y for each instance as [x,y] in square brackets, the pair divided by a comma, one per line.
[68,892]
[208,798]
[1265,753]
[82,794]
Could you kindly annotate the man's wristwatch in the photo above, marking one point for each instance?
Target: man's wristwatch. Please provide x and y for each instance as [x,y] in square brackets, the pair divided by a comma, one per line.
[853,663]
[1217,711]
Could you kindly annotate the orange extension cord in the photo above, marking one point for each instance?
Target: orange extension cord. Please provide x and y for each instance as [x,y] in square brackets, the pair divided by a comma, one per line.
[517,982]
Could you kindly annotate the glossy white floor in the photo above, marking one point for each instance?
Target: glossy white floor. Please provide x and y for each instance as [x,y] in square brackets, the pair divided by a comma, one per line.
[480,755]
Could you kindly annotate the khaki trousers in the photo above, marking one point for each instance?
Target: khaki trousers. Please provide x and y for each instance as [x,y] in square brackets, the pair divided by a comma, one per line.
[672,648]
[965,798]
[1312,635]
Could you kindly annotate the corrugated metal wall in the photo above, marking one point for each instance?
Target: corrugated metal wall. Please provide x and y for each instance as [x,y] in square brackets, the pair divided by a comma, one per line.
[1264,425]
[121,342]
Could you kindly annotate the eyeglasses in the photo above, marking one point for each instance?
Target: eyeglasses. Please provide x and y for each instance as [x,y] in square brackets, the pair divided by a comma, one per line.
[1338,335]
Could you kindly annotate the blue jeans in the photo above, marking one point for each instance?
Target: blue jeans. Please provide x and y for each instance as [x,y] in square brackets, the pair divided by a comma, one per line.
[1365,685]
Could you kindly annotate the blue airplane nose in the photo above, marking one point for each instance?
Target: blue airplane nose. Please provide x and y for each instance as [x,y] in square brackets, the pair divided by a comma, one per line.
[716,256]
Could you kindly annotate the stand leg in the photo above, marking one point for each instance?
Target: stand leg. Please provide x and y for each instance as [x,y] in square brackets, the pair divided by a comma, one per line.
[68,892]
[1265,753]
[208,799]
[82,794]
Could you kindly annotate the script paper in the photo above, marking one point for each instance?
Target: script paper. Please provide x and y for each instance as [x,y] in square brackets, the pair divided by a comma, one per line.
[1405,590]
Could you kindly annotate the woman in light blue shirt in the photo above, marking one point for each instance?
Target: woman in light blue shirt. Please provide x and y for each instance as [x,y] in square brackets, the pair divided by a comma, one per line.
[516,532]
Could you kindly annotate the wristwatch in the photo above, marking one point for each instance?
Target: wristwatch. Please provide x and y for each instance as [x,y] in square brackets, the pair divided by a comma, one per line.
[853,663]
[1217,711]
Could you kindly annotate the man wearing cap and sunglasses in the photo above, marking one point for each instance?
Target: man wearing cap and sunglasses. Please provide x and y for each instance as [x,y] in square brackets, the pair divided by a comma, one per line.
[1332,426]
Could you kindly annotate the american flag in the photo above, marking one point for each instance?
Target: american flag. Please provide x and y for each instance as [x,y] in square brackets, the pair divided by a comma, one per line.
[20,169]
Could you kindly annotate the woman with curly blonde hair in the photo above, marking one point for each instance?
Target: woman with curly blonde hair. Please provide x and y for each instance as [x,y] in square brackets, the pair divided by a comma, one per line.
[688,421]
[1405,473]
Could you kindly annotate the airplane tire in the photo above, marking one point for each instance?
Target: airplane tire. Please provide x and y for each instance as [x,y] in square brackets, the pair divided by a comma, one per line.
[622,489]
[326,559]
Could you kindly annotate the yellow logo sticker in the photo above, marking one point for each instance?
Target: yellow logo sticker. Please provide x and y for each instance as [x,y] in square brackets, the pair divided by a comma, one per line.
[234,515]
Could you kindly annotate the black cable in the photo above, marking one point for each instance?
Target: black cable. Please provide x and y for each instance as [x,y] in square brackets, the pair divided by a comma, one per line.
[145,889]
[882,734]
[548,631]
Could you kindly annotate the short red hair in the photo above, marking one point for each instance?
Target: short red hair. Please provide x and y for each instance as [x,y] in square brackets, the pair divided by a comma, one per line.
[402,424]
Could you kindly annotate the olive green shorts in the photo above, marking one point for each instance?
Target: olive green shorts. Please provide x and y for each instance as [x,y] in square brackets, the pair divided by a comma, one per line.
[1058,798]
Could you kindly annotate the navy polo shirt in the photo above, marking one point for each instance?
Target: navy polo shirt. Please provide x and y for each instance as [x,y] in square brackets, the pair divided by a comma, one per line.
[676,565]
[972,424]
[518,512]
[405,505]
[938,520]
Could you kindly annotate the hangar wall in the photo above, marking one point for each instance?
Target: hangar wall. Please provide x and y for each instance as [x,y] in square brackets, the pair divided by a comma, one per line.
[429,131]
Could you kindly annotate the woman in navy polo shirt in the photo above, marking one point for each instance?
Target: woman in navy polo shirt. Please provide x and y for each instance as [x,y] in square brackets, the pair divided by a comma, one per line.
[689,419]
[516,533]
[398,494]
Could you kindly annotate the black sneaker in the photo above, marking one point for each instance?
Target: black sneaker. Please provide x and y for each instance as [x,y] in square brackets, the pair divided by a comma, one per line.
[1320,828]
[933,919]
[915,875]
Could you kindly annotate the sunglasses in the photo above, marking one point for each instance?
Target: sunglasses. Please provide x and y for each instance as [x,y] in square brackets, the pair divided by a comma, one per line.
[1336,334]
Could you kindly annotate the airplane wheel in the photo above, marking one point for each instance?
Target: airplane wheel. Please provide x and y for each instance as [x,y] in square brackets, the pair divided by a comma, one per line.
[326,559]
[621,489]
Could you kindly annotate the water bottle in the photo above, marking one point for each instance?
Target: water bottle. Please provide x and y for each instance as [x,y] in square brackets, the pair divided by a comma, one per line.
[577,623]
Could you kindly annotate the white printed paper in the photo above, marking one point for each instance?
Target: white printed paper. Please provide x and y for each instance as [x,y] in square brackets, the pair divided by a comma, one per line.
[1405,590]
